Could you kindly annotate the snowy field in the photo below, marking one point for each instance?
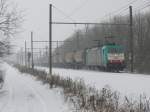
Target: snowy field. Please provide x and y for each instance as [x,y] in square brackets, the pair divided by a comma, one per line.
[125,83]
[22,93]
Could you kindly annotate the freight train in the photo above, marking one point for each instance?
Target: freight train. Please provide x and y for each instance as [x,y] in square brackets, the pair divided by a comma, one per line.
[110,57]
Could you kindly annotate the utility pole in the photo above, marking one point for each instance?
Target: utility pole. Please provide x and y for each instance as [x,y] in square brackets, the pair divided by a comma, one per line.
[78,45]
[50,39]
[21,55]
[57,51]
[57,42]
[46,50]
[25,54]
[32,50]
[131,56]
[39,60]
[40,53]
[19,59]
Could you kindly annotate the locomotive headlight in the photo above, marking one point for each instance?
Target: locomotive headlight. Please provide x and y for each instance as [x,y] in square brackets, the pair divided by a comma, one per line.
[121,56]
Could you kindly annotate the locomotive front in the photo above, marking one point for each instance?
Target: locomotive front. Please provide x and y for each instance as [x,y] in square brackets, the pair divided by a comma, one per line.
[115,57]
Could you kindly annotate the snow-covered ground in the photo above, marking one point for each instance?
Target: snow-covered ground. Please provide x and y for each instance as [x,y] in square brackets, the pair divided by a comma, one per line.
[22,93]
[126,83]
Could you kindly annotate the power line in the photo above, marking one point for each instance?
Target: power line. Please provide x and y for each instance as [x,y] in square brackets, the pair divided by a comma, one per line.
[62,12]
[139,8]
[142,7]
[69,16]
[120,13]
[124,8]
[145,7]
[78,8]
[117,12]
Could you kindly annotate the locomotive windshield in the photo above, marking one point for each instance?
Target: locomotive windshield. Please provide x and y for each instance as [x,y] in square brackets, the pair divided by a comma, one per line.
[115,50]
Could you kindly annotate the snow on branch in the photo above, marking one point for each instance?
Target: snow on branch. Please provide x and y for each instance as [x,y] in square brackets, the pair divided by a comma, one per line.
[10,23]
[10,19]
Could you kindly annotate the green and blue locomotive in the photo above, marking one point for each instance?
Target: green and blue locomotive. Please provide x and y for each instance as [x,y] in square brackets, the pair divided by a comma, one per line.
[109,57]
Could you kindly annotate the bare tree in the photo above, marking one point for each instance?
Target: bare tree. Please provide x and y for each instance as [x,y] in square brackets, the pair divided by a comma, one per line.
[10,21]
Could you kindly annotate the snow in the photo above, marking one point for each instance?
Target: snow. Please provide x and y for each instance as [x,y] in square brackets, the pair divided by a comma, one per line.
[126,83]
[22,93]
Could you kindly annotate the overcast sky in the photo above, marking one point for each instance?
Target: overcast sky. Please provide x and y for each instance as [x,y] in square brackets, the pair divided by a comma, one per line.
[37,16]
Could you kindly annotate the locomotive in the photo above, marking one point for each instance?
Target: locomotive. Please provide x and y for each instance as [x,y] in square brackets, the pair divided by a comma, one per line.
[109,57]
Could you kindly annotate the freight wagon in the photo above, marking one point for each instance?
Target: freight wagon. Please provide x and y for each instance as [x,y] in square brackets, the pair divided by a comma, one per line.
[79,59]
